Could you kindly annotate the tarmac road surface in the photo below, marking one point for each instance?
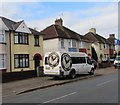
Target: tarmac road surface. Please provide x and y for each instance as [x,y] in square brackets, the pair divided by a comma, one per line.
[101,89]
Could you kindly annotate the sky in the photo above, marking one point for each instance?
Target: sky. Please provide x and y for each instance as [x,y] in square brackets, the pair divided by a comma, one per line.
[77,16]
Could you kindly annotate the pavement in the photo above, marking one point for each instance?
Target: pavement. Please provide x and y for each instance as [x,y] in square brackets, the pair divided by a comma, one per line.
[22,86]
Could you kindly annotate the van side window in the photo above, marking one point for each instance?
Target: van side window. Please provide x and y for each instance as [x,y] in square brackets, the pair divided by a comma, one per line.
[76,60]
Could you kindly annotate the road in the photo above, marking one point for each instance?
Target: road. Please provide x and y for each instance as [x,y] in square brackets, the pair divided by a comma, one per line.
[102,89]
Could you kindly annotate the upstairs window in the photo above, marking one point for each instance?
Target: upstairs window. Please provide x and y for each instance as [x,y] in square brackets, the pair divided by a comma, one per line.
[36,40]
[21,38]
[62,44]
[2,36]
[74,43]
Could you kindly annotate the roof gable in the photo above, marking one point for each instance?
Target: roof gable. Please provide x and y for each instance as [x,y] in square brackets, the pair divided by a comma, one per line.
[21,27]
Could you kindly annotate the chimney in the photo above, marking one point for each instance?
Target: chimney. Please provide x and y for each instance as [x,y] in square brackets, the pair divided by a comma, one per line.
[93,30]
[112,36]
[59,22]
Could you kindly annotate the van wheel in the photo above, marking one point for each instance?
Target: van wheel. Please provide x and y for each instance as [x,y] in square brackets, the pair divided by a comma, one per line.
[92,71]
[72,74]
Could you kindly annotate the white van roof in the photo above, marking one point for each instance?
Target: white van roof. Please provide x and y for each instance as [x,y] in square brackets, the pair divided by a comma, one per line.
[72,54]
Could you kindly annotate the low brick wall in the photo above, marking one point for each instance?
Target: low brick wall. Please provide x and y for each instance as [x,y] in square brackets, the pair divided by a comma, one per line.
[13,76]
[104,64]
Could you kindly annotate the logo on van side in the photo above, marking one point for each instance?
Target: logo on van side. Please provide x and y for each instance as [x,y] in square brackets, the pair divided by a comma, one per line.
[53,59]
[66,62]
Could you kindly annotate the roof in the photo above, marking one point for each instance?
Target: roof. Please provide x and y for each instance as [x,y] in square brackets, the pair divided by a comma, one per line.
[96,38]
[16,25]
[112,40]
[12,25]
[34,32]
[9,23]
[56,31]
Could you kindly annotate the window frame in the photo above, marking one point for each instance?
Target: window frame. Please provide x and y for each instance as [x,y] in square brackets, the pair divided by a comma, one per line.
[74,44]
[36,37]
[3,61]
[21,62]
[22,38]
[62,43]
[3,36]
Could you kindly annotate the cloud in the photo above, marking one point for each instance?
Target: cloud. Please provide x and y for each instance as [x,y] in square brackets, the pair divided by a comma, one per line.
[105,22]
[103,18]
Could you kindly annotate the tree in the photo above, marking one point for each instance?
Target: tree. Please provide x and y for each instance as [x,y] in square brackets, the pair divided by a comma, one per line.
[94,54]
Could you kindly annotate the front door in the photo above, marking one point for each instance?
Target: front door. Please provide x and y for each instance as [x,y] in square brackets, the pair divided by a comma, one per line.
[37,63]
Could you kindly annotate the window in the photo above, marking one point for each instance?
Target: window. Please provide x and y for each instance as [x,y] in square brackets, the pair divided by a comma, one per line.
[73,43]
[2,36]
[76,60]
[21,38]
[16,37]
[2,61]
[36,40]
[69,43]
[104,45]
[62,44]
[81,44]
[21,60]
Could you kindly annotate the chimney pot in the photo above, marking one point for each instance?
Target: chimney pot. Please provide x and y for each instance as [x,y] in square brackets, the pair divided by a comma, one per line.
[112,36]
[59,22]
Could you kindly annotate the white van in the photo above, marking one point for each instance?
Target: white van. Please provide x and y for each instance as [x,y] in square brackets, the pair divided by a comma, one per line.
[62,64]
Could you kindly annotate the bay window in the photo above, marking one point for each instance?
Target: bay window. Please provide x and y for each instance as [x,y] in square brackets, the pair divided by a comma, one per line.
[21,60]
[2,36]
[2,61]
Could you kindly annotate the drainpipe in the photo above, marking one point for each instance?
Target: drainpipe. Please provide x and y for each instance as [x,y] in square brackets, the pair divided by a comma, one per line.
[10,51]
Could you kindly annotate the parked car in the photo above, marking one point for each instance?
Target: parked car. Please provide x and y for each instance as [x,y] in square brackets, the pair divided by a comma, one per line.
[112,59]
[117,62]
[94,63]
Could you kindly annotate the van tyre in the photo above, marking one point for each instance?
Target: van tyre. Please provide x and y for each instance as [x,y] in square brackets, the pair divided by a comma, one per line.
[92,71]
[72,74]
